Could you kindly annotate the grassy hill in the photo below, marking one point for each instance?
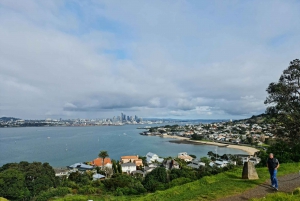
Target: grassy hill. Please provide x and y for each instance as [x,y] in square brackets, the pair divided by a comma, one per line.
[207,188]
[256,119]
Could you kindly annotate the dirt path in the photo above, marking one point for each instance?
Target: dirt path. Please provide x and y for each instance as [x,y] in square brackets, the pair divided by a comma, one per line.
[286,183]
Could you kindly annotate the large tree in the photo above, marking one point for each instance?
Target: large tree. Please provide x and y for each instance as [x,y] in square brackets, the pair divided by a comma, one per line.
[103,155]
[284,102]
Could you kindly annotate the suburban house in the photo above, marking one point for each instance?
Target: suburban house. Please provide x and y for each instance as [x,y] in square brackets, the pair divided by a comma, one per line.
[219,163]
[184,156]
[139,162]
[61,172]
[254,160]
[138,172]
[196,164]
[148,169]
[99,162]
[132,159]
[80,166]
[170,164]
[151,157]
[129,159]
[98,176]
[128,167]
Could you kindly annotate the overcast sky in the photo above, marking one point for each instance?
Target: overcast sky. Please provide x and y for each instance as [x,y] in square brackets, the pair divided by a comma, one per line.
[178,59]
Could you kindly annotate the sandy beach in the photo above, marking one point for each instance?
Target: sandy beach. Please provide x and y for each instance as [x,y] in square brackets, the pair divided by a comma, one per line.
[249,150]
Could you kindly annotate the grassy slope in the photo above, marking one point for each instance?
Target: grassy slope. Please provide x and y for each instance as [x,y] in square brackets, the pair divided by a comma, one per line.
[281,196]
[207,188]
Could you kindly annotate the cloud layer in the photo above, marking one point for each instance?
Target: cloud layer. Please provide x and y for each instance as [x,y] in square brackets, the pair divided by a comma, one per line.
[186,59]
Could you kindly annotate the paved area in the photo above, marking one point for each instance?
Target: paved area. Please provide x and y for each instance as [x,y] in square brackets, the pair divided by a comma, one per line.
[286,183]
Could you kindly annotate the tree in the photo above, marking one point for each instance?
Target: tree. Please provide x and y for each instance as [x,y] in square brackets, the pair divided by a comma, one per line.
[12,185]
[103,154]
[205,160]
[284,102]
[119,167]
[38,176]
[114,166]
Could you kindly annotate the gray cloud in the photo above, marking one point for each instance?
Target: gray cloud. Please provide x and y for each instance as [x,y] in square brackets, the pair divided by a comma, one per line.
[165,59]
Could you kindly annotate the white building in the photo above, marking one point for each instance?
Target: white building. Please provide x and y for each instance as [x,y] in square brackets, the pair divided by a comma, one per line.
[151,157]
[128,167]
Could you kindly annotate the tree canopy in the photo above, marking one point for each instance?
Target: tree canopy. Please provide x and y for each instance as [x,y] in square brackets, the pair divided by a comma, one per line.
[284,102]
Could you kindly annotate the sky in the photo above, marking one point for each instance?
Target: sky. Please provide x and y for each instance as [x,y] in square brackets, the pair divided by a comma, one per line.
[184,59]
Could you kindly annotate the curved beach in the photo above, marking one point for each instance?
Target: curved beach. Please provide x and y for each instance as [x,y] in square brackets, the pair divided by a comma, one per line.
[249,150]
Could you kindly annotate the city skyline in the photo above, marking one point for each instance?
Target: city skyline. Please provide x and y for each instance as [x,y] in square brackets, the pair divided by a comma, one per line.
[161,59]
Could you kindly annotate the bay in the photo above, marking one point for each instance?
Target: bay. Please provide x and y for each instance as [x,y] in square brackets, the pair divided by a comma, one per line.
[62,146]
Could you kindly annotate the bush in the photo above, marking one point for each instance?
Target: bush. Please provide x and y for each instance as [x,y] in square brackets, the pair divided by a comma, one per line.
[46,195]
[179,181]
[87,190]
[296,191]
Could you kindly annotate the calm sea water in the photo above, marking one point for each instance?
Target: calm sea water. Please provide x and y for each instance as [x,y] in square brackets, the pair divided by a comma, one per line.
[62,146]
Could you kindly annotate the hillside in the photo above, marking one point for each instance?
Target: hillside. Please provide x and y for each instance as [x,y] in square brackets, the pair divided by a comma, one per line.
[5,119]
[256,119]
[208,188]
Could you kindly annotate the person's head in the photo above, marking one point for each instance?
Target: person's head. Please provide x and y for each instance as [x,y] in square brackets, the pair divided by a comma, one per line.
[271,155]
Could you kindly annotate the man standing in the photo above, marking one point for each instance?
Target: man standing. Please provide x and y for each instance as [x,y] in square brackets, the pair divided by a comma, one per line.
[273,165]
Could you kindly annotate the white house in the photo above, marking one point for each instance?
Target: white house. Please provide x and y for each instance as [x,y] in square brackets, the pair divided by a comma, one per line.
[98,176]
[184,156]
[61,172]
[219,164]
[196,164]
[128,167]
[151,157]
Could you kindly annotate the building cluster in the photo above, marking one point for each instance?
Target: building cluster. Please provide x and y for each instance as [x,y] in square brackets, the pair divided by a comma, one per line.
[226,132]
[133,164]
[115,121]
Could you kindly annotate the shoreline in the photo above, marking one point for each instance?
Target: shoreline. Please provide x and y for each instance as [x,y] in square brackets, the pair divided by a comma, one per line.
[249,150]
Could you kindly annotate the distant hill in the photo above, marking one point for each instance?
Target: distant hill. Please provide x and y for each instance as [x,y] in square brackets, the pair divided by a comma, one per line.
[256,119]
[8,119]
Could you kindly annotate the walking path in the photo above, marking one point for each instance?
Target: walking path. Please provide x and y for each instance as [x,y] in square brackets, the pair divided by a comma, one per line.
[286,184]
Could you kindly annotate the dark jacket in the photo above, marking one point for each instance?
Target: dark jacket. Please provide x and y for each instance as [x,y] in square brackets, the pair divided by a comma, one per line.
[272,163]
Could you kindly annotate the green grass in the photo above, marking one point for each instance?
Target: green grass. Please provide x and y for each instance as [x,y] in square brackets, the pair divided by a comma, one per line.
[281,196]
[208,188]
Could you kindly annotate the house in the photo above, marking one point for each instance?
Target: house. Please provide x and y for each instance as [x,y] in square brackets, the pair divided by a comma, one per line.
[61,172]
[139,172]
[138,162]
[151,157]
[170,164]
[128,159]
[81,167]
[148,169]
[128,167]
[98,176]
[196,164]
[184,156]
[99,162]
[219,163]
[132,159]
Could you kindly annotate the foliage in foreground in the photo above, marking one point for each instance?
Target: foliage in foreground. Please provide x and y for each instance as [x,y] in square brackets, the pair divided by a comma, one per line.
[284,103]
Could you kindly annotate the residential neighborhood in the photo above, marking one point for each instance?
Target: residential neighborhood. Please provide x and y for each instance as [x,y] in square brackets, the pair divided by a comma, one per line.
[237,132]
[142,165]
